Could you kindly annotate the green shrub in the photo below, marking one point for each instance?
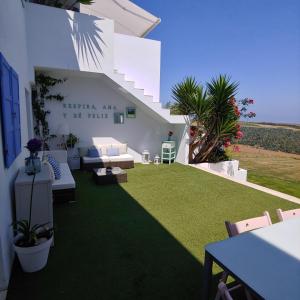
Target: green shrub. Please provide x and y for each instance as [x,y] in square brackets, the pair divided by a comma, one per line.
[277,139]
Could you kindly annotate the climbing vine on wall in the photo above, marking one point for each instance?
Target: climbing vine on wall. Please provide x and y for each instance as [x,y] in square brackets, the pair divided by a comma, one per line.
[42,94]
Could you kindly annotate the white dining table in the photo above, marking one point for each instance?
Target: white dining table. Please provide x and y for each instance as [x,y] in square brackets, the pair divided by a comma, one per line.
[266,260]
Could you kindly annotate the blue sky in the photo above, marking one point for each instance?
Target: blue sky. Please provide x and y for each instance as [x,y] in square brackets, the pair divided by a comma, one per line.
[256,42]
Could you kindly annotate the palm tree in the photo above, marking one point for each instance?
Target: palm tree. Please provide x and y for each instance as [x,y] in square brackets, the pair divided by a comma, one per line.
[210,111]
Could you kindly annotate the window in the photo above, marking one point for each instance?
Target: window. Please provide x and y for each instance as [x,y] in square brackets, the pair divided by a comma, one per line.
[118,118]
[130,112]
[10,112]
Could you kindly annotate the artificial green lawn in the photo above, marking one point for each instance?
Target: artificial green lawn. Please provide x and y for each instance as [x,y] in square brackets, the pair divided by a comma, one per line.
[289,187]
[140,240]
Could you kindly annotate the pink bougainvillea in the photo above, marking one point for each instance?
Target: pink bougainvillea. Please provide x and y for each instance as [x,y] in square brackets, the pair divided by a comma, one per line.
[227,144]
[236,148]
[240,109]
[251,114]
[239,134]
[243,107]
[193,131]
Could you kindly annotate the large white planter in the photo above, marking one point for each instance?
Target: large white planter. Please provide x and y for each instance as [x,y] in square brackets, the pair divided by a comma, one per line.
[34,258]
[228,168]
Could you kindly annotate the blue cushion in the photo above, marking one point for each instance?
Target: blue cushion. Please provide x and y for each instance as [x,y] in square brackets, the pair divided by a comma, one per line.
[113,151]
[94,152]
[55,166]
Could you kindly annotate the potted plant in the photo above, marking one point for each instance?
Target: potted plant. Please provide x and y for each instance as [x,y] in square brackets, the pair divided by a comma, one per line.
[170,133]
[72,140]
[73,155]
[32,242]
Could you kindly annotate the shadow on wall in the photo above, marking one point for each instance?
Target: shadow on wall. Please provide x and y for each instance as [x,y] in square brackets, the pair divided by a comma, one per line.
[62,39]
[87,39]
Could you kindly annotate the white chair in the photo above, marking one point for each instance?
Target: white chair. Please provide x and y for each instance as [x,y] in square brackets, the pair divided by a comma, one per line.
[237,228]
[224,292]
[288,214]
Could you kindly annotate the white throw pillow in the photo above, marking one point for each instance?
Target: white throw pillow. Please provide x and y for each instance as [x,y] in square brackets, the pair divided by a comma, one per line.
[122,148]
[51,172]
[103,148]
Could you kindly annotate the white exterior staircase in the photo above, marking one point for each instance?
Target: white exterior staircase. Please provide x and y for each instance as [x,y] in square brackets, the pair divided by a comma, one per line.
[138,95]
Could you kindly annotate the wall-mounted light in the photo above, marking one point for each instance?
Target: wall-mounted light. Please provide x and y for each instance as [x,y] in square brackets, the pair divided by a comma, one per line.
[118,118]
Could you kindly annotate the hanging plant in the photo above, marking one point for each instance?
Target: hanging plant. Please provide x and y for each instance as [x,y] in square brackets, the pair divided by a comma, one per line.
[42,94]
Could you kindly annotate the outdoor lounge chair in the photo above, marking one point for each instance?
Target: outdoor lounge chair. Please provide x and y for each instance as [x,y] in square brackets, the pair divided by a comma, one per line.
[122,160]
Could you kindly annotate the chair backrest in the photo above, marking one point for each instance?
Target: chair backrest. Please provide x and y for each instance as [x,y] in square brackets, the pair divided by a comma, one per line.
[248,225]
[288,214]
[224,292]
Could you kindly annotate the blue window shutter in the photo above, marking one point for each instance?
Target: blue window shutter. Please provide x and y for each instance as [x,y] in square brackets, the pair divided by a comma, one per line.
[16,112]
[7,113]
[10,112]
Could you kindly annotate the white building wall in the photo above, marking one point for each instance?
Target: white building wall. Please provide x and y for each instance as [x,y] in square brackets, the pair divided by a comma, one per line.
[182,138]
[62,39]
[140,133]
[42,37]
[13,47]
[139,60]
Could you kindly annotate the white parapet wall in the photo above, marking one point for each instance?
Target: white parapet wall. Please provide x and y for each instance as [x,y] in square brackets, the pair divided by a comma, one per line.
[63,39]
[139,60]
[228,168]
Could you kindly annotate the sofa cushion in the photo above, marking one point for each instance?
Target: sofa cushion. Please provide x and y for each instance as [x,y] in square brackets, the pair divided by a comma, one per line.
[122,157]
[55,166]
[90,160]
[50,169]
[66,181]
[113,151]
[103,148]
[122,148]
[94,152]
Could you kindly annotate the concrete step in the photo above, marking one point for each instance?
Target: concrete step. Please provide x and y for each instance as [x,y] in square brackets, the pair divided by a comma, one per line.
[139,93]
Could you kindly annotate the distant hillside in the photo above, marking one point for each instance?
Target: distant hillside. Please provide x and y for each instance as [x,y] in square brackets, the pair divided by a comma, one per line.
[271,136]
[271,125]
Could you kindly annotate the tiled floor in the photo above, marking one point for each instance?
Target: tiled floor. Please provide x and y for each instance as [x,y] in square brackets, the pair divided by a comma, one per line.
[3,295]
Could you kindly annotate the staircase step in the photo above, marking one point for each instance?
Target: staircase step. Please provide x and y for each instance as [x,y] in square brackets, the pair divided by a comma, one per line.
[120,77]
[149,97]
[130,83]
[139,93]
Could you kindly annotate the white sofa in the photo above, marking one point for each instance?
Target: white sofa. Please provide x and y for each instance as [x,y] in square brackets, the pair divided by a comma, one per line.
[123,160]
[64,188]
